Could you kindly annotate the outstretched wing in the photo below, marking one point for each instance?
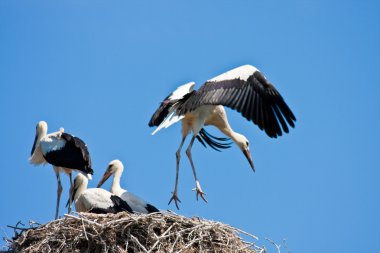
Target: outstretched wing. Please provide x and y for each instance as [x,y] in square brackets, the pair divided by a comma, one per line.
[246,90]
[165,114]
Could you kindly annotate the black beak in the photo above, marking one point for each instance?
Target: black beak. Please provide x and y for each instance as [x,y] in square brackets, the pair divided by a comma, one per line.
[73,190]
[34,144]
[249,158]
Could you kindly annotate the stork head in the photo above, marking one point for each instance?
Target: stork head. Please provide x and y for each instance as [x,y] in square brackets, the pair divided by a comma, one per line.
[114,167]
[41,131]
[243,143]
[80,184]
[41,128]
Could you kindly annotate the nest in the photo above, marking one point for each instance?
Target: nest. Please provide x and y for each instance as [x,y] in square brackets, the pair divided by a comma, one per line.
[132,233]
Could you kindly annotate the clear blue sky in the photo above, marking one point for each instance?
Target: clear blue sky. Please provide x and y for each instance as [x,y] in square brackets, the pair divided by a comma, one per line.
[100,68]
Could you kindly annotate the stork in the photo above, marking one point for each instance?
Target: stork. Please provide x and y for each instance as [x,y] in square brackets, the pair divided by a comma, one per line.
[244,89]
[137,204]
[95,200]
[62,150]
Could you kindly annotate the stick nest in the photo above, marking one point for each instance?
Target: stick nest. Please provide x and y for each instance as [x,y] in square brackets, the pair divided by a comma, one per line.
[132,233]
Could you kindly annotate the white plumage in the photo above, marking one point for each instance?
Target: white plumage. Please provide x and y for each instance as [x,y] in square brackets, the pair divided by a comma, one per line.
[244,89]
[242,73]
[95,200]
[137,204]
[62,150]
[182,90]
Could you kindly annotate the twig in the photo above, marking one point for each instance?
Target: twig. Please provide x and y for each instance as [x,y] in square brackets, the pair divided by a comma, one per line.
[191,243]
[245,233]
[276,245]
[138,242]
[84,230]
[88,221]
[159,238]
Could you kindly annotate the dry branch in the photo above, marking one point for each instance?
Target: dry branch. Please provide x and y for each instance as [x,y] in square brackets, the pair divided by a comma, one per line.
[132,233]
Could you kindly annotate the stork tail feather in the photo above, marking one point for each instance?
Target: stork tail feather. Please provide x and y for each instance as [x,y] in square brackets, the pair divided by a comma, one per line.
[215,143]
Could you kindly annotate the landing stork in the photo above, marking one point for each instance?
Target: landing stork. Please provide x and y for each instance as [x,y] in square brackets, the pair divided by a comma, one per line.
[95,200]
[137,204]
[62,150]
[244,89]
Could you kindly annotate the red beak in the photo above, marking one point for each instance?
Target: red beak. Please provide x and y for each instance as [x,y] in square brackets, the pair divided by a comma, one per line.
[104,178]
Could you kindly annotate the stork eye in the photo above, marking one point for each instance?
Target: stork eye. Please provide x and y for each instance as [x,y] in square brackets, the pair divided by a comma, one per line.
[247,143]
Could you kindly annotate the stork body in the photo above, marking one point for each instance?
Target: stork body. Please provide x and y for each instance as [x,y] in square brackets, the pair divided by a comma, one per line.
[137,204]
[244,89]
[95,200]
[62,150]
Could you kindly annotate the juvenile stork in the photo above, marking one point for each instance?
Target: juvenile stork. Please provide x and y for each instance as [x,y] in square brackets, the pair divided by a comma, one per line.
[62,150]
[95,200]
[244,89]
[137,204]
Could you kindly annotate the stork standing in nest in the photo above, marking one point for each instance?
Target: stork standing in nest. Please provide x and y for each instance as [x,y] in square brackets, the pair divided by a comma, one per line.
[244,89]
[62,150]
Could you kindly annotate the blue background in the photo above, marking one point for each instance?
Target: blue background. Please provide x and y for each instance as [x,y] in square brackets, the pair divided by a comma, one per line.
[100,68]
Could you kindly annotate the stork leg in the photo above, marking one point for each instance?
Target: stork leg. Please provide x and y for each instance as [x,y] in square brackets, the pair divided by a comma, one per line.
[59,191]
[178,158]
[70,197]
[197,184]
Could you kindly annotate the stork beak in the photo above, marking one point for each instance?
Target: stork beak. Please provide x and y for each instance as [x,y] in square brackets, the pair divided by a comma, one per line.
[106,175]
[72,192]
[34,143]
[249,158]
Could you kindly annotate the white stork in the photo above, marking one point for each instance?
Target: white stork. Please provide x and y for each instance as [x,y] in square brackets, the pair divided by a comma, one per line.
[95,200]
[137,204]
[62,150]
[244,89]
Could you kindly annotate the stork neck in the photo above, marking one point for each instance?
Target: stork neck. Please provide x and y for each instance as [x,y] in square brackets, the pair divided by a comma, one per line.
[227,130]
[82,187]
[41,132]
[236,137]
[115,188]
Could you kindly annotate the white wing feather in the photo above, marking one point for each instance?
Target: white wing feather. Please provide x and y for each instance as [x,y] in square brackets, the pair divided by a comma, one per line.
[95,198]
[182,90]
[52,142]
[242,72]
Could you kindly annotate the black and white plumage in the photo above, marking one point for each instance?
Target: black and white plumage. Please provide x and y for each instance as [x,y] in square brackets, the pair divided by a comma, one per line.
[137,204]
[62,150]
[244,89]
[95,200]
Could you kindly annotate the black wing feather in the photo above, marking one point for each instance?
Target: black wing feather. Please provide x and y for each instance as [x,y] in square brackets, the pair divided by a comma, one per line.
[281,119]
[151,209]
[120,205]
[255,98]
[163,110]
[161,113]
[74,155]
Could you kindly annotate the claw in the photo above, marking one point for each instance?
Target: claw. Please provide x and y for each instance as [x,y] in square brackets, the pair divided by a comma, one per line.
[199,191]
[176,200]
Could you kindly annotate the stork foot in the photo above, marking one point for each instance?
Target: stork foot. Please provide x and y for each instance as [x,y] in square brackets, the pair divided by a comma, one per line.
[199,191]
[175,198]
